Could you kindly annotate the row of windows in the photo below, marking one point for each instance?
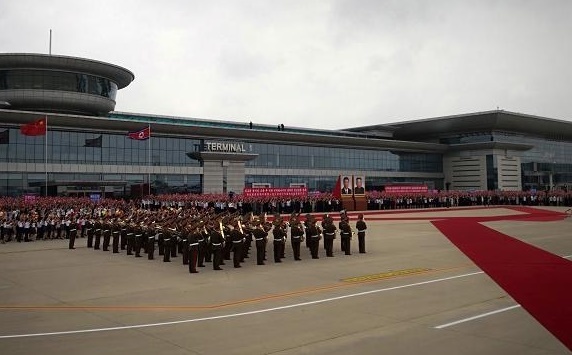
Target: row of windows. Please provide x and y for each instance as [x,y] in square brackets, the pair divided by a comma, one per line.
[56,80]
[86,148]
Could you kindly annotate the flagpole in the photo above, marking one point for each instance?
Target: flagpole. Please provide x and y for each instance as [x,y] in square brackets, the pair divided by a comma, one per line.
[149,160]
[46,154]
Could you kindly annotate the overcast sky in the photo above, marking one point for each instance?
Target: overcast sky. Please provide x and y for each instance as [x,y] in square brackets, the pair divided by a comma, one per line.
[329,64]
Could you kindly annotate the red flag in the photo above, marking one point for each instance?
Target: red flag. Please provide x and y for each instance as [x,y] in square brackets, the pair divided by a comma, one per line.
[337,193]
[141,135]
[36,128]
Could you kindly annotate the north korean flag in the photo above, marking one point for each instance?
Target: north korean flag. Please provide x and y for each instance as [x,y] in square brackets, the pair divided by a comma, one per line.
[141,135]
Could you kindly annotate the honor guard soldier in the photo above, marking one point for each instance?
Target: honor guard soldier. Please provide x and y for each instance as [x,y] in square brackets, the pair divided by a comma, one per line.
[138,240]
[123,229]
[193,248]
[174,242]
[115,233]
[90,232]
[167,237]
[106,234]
[208,246]
[98,226]
[185,236]
[315,236]
[150,238]
[73,234]
[307,222]
[130,238]
[237,237]
[227,241]
[260,238]
[361,228]
[267,225]
[345,234]
[202,245]
[279,235]
[329,235]
[217,243]
[297,235]
[161,242]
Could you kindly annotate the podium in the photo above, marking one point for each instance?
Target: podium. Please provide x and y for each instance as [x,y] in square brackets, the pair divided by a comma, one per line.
[360,203]
[348,203]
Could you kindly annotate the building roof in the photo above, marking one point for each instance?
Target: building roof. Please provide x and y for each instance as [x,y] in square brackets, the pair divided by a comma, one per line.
[119,75]
[497,120]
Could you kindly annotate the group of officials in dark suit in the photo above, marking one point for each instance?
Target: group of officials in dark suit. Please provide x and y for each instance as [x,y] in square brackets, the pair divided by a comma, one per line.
[204,236]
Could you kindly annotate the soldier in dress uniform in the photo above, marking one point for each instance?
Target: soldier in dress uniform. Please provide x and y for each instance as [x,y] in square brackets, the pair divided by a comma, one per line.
[238,238]
[217,243]
[149,233]
[307,222]
[115,233]
[98,231]
[106,226]
[260,239]
[202,247]
[345,234]
[130,235]
[296,234]
[167,237]
[193,248]
[315,235]
[123,230]
[329,235]
[361,228]
[184,245]
[90,230]
[208,247]
[73,233]
[138,230]
[279,234]
[175,237]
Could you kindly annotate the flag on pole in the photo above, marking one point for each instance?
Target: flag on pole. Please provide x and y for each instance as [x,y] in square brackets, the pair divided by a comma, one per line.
[337,193]
[141,135]
[94,142]
[36,128]
[5,137]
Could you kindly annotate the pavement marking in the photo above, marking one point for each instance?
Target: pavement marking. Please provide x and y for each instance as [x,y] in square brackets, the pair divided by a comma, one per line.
[464,320]
[386,275]
[234,315]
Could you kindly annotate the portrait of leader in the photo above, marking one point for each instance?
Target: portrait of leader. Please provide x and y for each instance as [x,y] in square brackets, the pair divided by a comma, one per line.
[346,189]
[359,188]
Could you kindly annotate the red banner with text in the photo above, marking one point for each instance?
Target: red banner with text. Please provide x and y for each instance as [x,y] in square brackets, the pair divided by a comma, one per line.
[404,189]
[275,191]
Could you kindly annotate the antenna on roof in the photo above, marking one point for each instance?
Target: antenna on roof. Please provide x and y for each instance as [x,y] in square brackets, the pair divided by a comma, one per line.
[50,41]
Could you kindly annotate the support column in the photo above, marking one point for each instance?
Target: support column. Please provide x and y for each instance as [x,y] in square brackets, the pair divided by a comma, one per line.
[212,177]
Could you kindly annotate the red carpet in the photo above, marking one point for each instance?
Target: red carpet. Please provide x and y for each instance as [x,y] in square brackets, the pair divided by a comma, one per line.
[539,281]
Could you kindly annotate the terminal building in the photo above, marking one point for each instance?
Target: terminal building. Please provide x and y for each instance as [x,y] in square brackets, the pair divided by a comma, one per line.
[86,148]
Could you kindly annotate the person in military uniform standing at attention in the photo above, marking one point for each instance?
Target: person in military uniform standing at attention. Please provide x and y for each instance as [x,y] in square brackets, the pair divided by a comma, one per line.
[73,233]
[167,236]
[193,248]
[89,225]
[106,234]
[184,244]
[329,235]
[361,228]
[115,233]
[123,229]
[150,242]
[237,236]
[297,235]
[175,236]
[217,243]
[279,234]
[138,240]
[260,237]
[202,244]
[130,238]
[315,236]
[345,235]
[307,222]
[98,229]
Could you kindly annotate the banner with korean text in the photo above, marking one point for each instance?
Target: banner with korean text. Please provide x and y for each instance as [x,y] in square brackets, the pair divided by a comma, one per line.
[404,189]
[275,192]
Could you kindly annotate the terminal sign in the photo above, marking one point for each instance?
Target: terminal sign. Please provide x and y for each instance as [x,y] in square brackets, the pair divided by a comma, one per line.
[224,147]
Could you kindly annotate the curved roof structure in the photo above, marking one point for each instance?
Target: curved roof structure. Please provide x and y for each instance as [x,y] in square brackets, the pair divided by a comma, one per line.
[119,75]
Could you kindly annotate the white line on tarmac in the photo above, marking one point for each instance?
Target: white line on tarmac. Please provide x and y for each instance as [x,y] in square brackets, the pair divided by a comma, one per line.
[233,315]
[484,314]
[476,317]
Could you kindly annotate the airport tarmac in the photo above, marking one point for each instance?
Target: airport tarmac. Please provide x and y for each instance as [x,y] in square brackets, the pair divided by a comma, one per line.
[413,292]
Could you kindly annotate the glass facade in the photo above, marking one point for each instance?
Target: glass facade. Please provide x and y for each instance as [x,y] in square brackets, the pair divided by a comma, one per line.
[548,164]
[35,79]
[311,157]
